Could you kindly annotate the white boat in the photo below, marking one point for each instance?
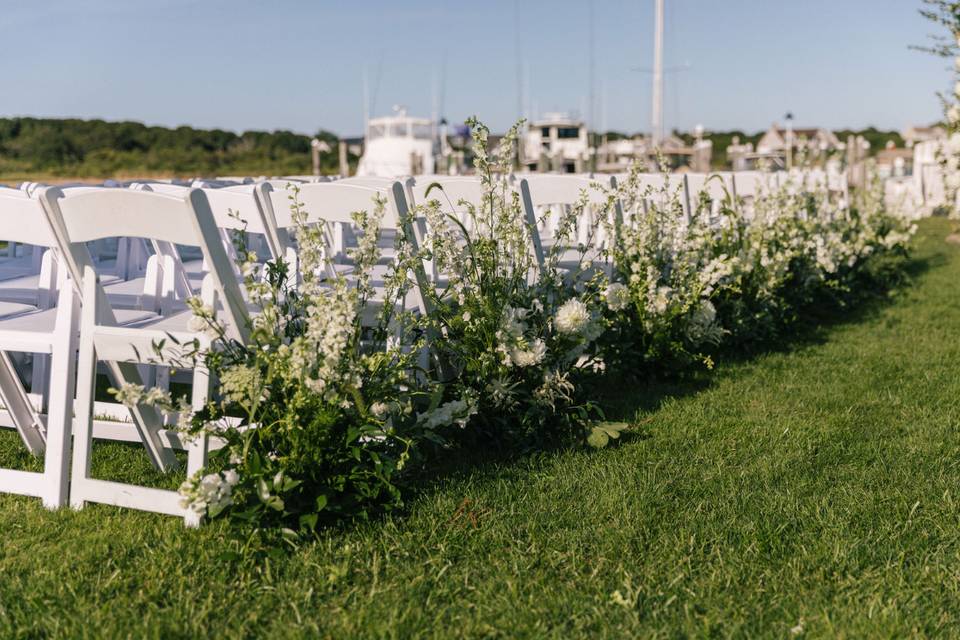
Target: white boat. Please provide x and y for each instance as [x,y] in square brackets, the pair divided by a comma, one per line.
[398,145]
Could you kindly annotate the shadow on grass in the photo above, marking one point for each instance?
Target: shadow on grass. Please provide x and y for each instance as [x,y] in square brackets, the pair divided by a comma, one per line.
[820,320]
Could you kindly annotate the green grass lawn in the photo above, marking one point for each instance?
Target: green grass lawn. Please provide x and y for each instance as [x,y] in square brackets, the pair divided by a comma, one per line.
[810,491]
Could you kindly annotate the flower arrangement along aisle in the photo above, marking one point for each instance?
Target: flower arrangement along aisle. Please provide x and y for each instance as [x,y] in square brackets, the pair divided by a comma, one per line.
[339,395]
[319,409]
[518,338]
[743,272]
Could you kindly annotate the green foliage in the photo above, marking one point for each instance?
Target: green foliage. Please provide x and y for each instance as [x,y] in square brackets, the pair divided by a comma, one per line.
[95,148]
[877,138]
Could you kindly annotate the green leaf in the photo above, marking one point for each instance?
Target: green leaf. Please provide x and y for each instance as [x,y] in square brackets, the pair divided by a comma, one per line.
[263,490]
[613,429]
[308,521]
[598,438]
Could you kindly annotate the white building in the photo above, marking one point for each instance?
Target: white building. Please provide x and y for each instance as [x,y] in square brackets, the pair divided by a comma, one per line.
[555,142]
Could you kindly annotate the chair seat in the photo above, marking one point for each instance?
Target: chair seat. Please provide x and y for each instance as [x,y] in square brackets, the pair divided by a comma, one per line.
[24,328]
[10,309]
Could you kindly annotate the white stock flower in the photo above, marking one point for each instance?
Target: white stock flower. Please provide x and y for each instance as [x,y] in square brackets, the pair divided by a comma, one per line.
[953,144]
[572,317]
[455,412]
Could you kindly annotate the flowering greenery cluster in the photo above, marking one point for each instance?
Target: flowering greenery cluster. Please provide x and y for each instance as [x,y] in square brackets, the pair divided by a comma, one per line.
[342,390]
[518,335]
[743,271]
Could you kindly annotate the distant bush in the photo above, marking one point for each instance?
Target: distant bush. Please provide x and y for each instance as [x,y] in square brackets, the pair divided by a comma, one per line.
[95,148]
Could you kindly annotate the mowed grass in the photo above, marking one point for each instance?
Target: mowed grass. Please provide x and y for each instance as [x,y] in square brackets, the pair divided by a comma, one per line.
[813,491]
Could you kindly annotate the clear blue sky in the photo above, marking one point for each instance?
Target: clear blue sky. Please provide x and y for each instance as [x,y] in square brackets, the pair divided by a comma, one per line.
[241,64]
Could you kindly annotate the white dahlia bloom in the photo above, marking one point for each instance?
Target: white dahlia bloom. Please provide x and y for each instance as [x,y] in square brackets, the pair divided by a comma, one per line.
[617,296]
[572,317]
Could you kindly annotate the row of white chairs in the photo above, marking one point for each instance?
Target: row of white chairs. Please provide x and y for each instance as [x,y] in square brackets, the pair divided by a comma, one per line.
[85,320]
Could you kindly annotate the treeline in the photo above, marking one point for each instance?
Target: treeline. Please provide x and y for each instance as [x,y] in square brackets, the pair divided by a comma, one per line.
[96,148]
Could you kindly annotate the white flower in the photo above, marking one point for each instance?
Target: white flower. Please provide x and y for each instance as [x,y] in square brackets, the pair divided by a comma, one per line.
[456,412]
[380,409]
[513,324]
[572,317]
[210,491]
[953,114]
[953,180]
[531,356]
[617,296]
[129,394]
[661,300]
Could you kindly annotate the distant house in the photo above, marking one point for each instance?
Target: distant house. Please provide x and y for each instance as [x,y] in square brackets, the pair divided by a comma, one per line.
[814,140]
[915,134]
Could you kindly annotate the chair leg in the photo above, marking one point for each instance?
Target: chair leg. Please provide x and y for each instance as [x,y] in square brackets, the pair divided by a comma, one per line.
[60,413]
[83,425]
[198,450]
[40,378]
[15,399]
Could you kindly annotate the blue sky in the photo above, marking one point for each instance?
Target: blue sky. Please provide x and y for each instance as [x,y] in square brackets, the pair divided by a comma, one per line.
[300,65]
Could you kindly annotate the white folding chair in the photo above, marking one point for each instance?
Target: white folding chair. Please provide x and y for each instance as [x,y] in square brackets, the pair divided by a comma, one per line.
[85,217]
[700,187]
[335,202]
[51,332]
[544,193]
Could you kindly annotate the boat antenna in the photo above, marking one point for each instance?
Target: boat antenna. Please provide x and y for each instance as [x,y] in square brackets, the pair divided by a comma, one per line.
[591,113]
[376,83]
[519,56]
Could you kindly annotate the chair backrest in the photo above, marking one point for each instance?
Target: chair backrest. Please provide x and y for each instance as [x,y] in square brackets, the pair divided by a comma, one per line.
[547,189]
[234,207]
[329,202]
[748,184]
[367,181]
[22,220]
[449,191]
[711,184]
[186,220]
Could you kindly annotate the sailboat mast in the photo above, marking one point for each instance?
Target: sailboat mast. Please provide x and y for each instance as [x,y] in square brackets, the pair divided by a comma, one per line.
[657,111]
